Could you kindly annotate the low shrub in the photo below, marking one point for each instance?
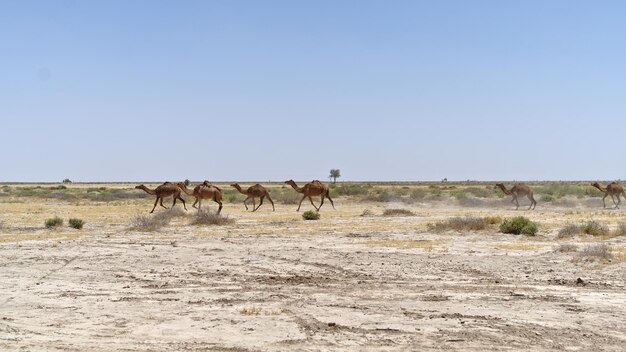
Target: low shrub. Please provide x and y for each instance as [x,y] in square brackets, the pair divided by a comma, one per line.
[546,198]
[150,223]
[468,223]
[367,212]
[570,230]
[204,217]
[397,212]
[566,248]
[519,225]
[594,252]
[595,228]
[54,222]
[311,215]
[76,223]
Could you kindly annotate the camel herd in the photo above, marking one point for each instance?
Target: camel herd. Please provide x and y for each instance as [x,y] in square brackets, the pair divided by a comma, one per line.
[206,190]
[315,188]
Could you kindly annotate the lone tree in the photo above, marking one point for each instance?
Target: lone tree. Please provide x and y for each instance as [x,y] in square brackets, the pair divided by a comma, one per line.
[67,180]
[334,174]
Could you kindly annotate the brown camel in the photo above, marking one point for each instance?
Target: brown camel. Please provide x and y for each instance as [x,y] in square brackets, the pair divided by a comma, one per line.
[612,189]
[312,189]
[517,191]
[254,192]
[203,191]
[165,190]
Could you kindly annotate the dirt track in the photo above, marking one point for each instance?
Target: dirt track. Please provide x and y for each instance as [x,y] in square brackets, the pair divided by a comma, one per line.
[275,282]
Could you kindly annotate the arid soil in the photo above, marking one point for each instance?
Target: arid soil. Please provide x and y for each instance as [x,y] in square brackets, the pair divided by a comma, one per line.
[274,282]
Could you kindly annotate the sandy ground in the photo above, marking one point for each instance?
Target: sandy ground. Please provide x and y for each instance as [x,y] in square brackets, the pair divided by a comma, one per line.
[272,281]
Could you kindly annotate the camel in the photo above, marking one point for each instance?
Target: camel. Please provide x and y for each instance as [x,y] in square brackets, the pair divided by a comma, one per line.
[612,189]
[519,190]
[254,192]
[312,189]
[203,191]
[165,190]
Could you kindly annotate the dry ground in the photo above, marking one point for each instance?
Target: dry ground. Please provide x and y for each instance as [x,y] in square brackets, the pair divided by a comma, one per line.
[272,281]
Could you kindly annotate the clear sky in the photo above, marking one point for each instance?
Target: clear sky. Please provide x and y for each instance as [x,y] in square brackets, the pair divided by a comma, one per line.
[273,90]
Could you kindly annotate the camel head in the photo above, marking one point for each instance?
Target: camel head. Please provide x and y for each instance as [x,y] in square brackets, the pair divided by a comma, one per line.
[234,185]
[499,185]
[140,187]
[181,185]
[289,182]
[206,183]
[596,184]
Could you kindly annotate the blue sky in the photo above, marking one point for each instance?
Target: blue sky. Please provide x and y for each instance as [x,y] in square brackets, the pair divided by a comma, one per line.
[273,90]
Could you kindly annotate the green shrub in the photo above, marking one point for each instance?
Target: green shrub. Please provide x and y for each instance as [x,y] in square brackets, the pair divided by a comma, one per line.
[54,222]
[546,198]
[519,225]
[76,223]
[311,215]
[595,228]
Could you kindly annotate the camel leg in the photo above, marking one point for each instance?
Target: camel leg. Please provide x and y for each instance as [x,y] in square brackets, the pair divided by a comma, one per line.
[300,203]
[604,201]
[532,202]
[244,202]
[331,201]
[313,204]
[516,202]
[182,200]
[274,209]
[194,204]
[219,210]
[619,201]
[253,204]
[613,198]
[321,202]
[162,204]
[260,203]
[155,204]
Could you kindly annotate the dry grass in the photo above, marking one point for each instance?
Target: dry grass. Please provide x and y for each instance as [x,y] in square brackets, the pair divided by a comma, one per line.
[427,245]
[367,212]
[397,212]
[204,217]
[149,223]
[595,252]
[595,228]
[250,311]
[468,223]
[619,253]
[566,248]
[518,247]
[569,230]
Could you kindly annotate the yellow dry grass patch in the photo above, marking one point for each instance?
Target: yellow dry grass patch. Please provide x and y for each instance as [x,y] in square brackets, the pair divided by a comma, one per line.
[619,253]
[427,245]
[39,237]
[518,246]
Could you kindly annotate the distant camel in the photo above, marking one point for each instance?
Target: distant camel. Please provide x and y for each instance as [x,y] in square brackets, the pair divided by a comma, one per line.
[165,190]
[517,191]
[312,189]
[203,191]
[254,192]
[612,189]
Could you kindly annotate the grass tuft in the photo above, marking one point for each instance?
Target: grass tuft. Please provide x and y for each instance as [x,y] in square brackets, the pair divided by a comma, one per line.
[311,215]
[397,212]
[600,251]
[468,223]
[54,222]
[76,223]
[204,217]
[566,248]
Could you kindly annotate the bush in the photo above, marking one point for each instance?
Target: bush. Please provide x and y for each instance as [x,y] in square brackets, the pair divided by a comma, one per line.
[566,247]
[595,252]
[468,223]
[311,215]
[397,212]
[54,222]
[596,229]
[76,223]
[150,222]
[621,229]
[570,230]
[204,217]
[546,198]
[367,212]
[519,225]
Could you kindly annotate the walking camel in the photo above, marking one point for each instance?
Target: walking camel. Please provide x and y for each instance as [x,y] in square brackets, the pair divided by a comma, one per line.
[312,189]
[517,191]
[253,192]
[165,190]
[612,189]
[203,191]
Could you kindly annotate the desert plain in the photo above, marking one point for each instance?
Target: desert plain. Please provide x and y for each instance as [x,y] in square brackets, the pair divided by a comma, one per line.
[354,280]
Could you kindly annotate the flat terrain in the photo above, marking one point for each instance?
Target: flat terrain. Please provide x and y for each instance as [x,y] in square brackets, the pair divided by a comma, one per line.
[272,281]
